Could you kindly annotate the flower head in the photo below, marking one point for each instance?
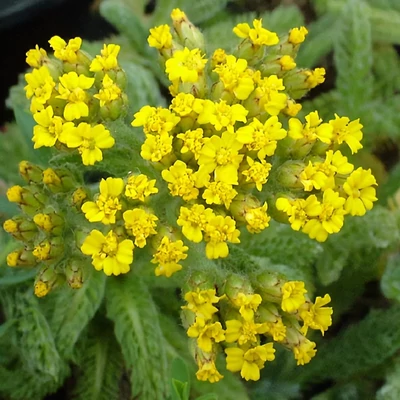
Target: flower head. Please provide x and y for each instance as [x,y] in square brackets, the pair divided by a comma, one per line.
[293,296]
[66,51]
[109,253]
[258,35]
[140,224]
[160,37]
[107,60]
[35,57]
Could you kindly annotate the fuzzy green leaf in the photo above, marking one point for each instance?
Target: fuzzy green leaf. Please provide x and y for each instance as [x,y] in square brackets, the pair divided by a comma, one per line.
[131,308]
[127,22]
[36,340]
[359,348]
[391,389]
[100,366]
[353,58]
[73,309]
[390,282]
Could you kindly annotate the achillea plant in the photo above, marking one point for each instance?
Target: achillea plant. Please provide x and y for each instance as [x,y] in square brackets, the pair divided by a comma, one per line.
[226,156]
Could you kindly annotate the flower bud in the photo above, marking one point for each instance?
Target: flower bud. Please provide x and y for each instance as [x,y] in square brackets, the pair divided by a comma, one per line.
[236,284]
[78,197]
[20,228]
[189,35]
[49,250]
[21,258]
[46,280]
[50,223]
[269,284]
[59,180]
[198,280]
[268,312]
[288,174]
[30,172]
[31,198]
[74,273]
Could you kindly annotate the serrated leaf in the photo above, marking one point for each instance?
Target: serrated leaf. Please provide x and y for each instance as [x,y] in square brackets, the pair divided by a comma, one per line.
[359,348]
[353,58]
[73,309]
[131,308]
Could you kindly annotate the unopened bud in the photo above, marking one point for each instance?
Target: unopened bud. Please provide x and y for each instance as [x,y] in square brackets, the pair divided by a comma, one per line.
[30,172]
[190,36]
[198,280]
[46,280]
[50,223]
[21,258]
[29,198]
[269,284]
[78,197]
[20,228]
[74,274]
[49,250]
[288,174]
[59,180]
[236,284]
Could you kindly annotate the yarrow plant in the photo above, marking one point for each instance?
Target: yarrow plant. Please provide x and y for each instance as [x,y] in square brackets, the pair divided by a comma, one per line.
[228,154]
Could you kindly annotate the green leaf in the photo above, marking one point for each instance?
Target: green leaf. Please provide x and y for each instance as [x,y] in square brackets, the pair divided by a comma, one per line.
[180,372]
[127,22]
[391,389]
[385,25]
[390,282]
[100,366]
[359,348]
[353,58]
[73,309]
[130,306]
[36,340]
[180,390]
[210,396]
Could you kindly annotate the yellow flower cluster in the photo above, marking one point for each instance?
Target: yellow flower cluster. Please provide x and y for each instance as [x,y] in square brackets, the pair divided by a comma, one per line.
[227,145]
[123,205]
[246,324]
[72,95]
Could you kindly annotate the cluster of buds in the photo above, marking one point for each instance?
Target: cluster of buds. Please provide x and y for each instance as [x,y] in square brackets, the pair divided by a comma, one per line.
[246,318]
[71,94]
[42,228]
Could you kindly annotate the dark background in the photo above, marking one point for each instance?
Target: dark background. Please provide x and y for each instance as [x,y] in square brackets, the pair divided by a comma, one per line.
[25,23]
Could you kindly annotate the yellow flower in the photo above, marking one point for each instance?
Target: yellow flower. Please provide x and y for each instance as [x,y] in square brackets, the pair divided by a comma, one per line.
[139,187]
[40,87]
[217,232]
[89,140]
[329,220]
[260,137]
[293,296]
[109,92]
[219,56]
[201,302]
[168,255]
[107,60]
[249,362]
[14,194]
[181,181]
[258,36]
[35,57]
[224,116]
[257,219]
[314,77]
[182,104]
[316,316]
[194,220]
[219,193]
[108,253]
[257,172]
[140,224]
[42,250]
[72,89]
[359,191]
[268,96]
[235,76]
[248,304]
[208,372]
[160,37]
[206,333]
[243,331]
[49,128]
[64,51]
[287,63]
[346,131]
[304,352]
[299,210]
[277,330]
[193,141]
[155,120]
[312,177]
[220,155]
[106,205]
[297,35]
[185,65]
[312,130]
[156,147]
